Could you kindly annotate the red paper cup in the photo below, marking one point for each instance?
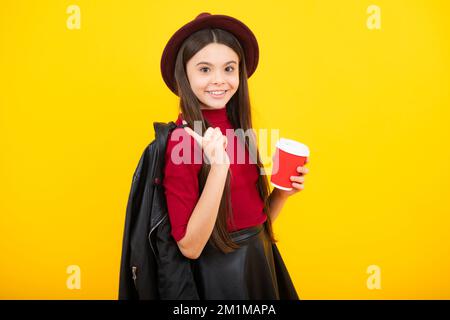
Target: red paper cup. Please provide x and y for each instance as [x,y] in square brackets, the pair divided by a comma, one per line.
[289,154]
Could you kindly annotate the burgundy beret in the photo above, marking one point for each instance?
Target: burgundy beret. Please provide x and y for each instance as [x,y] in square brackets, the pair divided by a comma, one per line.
[206,20]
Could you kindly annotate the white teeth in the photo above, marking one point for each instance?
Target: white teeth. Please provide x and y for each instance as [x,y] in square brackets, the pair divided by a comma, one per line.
[217,92]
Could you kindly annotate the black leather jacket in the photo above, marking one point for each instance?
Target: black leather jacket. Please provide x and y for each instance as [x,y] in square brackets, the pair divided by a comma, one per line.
[152,266]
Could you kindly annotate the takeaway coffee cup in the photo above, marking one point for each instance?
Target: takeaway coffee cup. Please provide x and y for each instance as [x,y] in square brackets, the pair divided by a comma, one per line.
[289,154]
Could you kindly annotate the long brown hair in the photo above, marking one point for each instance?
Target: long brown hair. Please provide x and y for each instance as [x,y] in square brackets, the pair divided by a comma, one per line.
[239,115]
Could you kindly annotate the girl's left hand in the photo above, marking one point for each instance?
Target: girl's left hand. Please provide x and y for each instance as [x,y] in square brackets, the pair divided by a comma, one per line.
[297,182]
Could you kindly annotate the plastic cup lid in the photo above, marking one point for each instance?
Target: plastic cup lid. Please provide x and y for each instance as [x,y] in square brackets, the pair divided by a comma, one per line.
[293,147]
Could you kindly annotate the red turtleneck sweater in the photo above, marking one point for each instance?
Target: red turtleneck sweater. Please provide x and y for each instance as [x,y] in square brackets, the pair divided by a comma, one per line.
[181,179]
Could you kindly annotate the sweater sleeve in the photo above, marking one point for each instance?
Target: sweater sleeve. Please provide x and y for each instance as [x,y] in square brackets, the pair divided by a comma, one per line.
[180,179]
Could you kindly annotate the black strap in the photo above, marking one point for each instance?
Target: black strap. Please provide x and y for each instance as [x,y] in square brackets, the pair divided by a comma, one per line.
[162,131]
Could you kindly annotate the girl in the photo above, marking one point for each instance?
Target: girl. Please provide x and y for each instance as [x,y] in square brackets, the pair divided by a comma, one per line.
[221,210]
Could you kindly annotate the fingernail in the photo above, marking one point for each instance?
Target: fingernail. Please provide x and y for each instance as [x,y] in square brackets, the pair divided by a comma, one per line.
[184,122]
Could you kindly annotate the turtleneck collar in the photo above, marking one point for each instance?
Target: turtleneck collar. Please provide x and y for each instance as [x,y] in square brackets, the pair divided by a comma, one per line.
[215,115]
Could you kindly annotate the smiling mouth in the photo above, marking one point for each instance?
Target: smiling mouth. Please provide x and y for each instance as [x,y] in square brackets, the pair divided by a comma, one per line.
[217,93]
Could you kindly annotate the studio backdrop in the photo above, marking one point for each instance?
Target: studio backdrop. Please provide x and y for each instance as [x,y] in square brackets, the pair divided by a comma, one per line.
[365,84]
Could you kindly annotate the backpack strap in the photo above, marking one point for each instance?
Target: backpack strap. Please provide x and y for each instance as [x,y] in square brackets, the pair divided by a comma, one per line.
[162,131]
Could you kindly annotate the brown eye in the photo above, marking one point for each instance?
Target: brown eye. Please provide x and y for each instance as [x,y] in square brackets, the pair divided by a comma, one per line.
[203,68]
[231,68]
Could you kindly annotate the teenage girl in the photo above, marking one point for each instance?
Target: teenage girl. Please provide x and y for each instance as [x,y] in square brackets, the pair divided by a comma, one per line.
[221,209]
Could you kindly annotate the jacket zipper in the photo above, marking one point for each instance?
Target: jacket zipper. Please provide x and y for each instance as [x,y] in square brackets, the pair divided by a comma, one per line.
[149,234]
[133,270]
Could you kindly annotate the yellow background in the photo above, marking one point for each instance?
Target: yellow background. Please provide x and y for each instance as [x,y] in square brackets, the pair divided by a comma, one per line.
[77,109]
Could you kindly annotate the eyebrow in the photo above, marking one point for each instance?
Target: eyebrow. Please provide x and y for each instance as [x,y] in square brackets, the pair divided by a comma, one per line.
[210,64]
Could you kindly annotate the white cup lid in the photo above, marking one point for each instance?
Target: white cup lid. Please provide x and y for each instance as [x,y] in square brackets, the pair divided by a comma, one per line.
[293,147]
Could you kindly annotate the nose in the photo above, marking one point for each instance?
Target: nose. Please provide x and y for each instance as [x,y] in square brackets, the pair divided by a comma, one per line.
[218,77]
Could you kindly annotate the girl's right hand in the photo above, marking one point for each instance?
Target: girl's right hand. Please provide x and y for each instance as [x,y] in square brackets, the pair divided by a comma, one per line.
[213,144]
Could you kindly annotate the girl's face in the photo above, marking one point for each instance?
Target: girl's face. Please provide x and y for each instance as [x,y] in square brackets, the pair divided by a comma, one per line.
[214,75]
